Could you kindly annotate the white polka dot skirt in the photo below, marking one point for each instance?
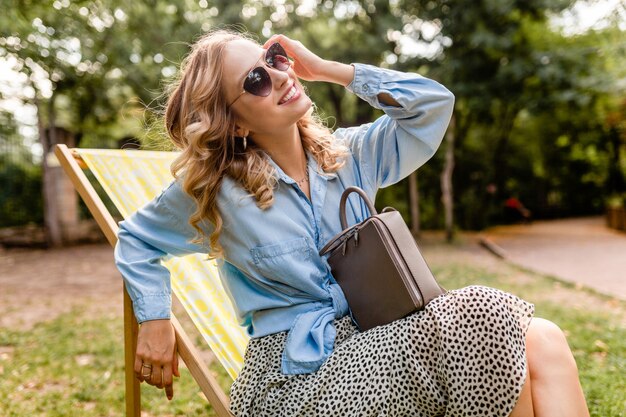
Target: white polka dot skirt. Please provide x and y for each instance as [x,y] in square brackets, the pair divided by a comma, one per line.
[464,354]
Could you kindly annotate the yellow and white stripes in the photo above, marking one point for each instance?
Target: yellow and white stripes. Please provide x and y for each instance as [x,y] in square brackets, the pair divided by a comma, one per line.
[132,178]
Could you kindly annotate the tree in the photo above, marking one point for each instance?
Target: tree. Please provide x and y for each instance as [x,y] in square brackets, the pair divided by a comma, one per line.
[87,67]
[484,55]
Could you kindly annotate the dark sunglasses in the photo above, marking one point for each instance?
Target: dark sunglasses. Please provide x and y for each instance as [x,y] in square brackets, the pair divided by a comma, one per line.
[258,81]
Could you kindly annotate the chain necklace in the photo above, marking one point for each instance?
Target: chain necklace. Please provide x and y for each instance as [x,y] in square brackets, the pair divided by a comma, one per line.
[306,176]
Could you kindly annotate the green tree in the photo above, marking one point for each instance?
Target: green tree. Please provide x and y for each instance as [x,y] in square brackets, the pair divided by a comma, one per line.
[92,67]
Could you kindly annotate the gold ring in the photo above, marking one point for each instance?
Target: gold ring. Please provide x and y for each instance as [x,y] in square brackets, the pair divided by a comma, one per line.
[149,374]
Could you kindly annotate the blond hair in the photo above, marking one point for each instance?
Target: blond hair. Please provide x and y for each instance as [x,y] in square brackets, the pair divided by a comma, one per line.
[201,125]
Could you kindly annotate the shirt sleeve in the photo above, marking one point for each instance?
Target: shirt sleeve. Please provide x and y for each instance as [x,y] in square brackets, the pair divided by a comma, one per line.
[156,231]
[404,138]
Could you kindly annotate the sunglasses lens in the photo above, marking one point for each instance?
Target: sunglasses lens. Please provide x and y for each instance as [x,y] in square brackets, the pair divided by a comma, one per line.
[276,57]
[258,82]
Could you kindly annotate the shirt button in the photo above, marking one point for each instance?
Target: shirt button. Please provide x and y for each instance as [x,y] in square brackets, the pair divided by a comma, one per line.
[366,87]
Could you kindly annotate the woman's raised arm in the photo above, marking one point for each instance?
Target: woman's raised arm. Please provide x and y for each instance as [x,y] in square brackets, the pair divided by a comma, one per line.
[417,109]
[417,112]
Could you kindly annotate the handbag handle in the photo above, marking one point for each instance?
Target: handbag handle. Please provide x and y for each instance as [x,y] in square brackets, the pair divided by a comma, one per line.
[342,204]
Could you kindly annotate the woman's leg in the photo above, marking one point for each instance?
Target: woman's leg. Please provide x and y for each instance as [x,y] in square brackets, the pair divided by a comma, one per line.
[555,386]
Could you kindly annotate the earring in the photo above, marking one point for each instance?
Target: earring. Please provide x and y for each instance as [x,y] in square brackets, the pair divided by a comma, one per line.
[245,142]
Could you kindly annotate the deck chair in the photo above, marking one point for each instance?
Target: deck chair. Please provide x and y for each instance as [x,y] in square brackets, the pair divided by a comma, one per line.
[130,179]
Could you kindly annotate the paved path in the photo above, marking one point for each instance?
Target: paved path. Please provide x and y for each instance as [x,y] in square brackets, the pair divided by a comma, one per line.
[580,250]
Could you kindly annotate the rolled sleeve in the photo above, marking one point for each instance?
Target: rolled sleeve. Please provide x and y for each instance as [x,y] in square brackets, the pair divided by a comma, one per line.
[405,137]
[156,231]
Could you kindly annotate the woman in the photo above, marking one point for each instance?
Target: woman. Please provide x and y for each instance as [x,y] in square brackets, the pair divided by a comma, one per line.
[257,187]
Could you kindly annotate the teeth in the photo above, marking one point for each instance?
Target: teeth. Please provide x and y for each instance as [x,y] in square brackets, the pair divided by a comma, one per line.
[289,94]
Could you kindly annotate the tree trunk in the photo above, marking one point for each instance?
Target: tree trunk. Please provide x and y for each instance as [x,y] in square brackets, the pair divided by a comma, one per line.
[500,162]
[616,180]
[66,195]
[61,215]
[446,182]
[414,204]
[51,210]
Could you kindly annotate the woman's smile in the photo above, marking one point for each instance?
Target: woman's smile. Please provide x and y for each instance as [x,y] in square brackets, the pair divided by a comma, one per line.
[291,95]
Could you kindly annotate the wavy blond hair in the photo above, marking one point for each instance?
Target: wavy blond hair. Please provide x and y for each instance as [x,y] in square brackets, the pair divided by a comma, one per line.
[200,124]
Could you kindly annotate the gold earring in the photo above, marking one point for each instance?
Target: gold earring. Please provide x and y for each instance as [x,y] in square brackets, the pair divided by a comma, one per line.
[245,142]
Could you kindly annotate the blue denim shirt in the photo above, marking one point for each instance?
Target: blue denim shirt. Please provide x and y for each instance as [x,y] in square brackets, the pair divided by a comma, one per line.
[272,271]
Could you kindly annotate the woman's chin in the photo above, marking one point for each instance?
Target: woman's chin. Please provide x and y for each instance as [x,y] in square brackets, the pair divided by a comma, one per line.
[309,112]
[303,108]
[309,104]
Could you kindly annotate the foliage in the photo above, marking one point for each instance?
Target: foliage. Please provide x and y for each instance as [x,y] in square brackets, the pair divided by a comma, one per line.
[540,115]
[522,89]
[98,63]
[575,160]
[20,195]
[11,145]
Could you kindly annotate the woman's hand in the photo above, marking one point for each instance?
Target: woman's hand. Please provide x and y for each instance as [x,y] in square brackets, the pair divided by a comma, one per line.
[311,67]
[156,359]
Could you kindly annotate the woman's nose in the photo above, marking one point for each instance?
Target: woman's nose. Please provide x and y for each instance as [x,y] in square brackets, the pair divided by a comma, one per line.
[279,78]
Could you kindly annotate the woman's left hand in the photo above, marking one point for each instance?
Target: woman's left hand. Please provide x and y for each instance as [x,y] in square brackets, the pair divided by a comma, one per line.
[311,67]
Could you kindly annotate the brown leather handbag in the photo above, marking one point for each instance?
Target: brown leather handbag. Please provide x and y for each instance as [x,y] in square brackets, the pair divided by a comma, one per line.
[379,267]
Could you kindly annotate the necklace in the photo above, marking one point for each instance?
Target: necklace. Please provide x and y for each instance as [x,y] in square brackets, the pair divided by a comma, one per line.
[306,175]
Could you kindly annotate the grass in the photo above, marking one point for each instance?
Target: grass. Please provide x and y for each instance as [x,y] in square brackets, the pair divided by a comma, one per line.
[73,365]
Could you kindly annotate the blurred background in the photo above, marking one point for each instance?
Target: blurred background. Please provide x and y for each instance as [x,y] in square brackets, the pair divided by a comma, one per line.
[532,167]
[539,129]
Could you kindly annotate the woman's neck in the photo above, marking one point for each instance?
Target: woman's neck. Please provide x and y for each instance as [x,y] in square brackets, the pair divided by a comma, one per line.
[285,148]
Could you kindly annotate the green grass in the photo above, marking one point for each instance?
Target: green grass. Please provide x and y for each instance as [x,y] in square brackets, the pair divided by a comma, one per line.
[73,366]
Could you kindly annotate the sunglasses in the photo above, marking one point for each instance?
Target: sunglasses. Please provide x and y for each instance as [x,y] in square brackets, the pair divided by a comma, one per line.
[258,81]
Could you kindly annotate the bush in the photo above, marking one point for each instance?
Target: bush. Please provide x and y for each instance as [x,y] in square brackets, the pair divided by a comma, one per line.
[616,201]
[21,201]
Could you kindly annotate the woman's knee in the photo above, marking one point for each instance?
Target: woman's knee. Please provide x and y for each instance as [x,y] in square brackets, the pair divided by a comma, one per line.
[547,349]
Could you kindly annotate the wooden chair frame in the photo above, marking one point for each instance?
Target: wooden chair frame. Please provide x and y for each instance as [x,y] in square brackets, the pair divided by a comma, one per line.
[73,165]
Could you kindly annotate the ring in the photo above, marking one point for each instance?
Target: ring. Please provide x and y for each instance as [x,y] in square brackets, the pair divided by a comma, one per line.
[149,367]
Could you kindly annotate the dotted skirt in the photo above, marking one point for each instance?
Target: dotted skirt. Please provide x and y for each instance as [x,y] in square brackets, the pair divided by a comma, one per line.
[464,354]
